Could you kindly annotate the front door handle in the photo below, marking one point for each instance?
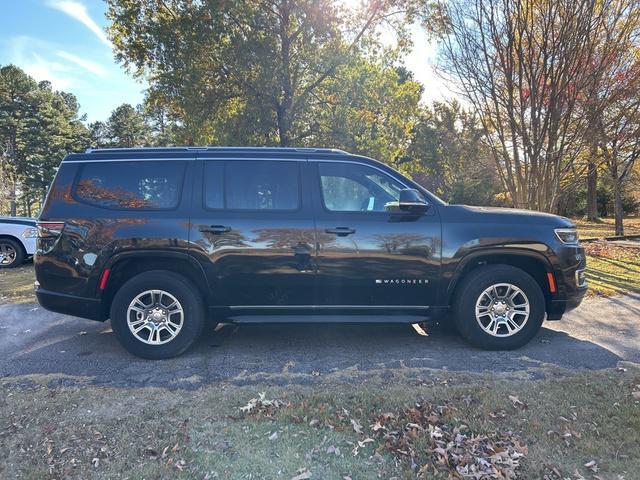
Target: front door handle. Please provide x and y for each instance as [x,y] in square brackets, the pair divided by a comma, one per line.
[214,229]
[341,231]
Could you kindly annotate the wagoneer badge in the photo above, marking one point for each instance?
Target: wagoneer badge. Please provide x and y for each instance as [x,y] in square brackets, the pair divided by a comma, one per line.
[402,281]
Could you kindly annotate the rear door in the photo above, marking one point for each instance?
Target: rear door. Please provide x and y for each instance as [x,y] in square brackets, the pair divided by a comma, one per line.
[252,229]
[370,254]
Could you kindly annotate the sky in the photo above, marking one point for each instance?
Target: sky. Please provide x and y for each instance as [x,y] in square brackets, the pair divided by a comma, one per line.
[63,41]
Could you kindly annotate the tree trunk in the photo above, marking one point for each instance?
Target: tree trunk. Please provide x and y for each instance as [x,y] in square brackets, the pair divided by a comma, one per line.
[592,189]
[12,201]
[283,127]
[617,206]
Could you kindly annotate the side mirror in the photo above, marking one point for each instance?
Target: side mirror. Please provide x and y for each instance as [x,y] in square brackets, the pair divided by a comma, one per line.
[411,200]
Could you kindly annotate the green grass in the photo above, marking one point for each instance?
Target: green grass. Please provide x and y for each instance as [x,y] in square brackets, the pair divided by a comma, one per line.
[605,227]
[612,269]
[88,431]
[16,284]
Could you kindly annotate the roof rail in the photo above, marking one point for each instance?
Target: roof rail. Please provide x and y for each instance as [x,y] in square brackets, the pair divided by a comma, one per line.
[214,149]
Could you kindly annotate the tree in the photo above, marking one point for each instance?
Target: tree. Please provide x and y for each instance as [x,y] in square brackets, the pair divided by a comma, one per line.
[17,113]
[98,134]
[524,65]
[616,49]
[240,72]
[162,126]
[126,127]
[448,143]
[38,126]
[369,108]
[619,137]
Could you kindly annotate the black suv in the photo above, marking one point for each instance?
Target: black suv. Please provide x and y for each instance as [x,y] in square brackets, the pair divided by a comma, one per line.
[163,240]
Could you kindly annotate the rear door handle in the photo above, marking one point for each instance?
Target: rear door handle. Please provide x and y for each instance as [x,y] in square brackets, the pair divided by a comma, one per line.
[341,231]
[214,228]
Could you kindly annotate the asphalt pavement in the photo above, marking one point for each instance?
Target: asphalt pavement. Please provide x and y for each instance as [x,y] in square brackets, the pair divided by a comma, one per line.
[599,334]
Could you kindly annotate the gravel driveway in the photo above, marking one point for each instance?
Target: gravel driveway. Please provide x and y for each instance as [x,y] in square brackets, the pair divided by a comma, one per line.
[33,341]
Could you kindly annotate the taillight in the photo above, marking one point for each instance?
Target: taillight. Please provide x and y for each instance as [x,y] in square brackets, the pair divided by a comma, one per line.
[49,229]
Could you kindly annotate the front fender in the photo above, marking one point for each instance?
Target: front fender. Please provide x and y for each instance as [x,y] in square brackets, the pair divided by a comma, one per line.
[474,251]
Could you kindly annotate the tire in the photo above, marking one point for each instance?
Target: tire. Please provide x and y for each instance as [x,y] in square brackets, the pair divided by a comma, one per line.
[174,287]
[11,253]
[507,335]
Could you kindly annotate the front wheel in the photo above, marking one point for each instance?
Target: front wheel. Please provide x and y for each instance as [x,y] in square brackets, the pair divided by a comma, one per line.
[499,307]
[157,314]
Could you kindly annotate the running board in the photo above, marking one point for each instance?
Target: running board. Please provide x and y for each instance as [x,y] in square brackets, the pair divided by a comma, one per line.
[328,318]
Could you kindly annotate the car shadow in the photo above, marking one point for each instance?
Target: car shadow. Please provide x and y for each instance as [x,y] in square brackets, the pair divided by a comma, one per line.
[33,341]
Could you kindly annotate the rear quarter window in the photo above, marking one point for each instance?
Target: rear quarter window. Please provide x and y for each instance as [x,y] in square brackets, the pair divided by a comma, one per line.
[131,185]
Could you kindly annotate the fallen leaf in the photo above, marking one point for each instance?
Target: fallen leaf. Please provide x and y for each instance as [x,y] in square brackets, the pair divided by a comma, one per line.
[303,474]
[335,450]
[273,436]
[592,465]
[517,402]
[356,426]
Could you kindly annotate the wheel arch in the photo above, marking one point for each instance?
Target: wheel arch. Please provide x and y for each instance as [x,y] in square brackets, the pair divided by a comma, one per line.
[124,266]
[17,240]
[533,263]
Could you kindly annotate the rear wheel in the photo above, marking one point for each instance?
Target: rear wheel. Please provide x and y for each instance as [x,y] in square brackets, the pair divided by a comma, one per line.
[157,314]
[499,307]
[11,253]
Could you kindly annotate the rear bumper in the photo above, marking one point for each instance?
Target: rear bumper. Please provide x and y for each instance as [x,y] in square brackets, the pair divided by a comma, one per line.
[90,308]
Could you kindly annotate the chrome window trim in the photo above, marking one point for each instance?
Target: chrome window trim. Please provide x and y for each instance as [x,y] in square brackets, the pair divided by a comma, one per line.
[160,159]
[323,160]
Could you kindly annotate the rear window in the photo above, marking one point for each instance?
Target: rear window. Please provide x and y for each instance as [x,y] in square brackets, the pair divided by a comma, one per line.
[252,185]
[131,185]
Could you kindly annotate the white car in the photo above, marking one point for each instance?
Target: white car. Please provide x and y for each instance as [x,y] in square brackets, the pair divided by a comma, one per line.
[17,240]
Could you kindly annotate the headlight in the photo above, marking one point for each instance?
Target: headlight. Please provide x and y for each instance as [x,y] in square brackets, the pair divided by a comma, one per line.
[567,235]
[30,233]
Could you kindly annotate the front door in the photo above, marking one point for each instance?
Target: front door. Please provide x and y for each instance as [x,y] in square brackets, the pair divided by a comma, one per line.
[370,254]
[253,231]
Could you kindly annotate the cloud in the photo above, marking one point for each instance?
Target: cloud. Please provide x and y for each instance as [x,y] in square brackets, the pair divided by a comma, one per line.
[83,63]
[30,55]
[41,69]
[79,12]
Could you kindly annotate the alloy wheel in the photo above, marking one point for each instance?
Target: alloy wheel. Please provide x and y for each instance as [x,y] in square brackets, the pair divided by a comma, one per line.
[155,317]
[502,310]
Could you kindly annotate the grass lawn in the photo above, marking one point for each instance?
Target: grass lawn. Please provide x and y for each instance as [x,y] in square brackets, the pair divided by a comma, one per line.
[16,284]
[400,428]
[606,227]
[612,269]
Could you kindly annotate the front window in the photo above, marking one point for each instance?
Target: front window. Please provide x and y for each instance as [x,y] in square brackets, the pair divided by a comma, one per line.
[348,187]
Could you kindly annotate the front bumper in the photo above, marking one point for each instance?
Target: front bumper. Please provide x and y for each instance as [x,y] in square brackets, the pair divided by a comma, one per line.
[558,307]
[571,281]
